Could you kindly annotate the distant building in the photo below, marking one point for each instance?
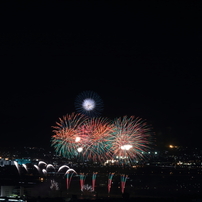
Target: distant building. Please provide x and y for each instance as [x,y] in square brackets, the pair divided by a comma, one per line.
[5,162]
[23,161]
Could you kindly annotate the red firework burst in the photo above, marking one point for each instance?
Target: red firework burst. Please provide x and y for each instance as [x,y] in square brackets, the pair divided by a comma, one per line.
[94,135]
[130,138]
[66,134]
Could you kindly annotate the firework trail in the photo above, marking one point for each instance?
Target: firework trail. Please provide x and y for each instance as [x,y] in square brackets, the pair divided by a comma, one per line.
[123,182]
[42,163]
[49,166]
[64,166]
[89,103]
[69,175]
[93,180]
[82,180]
[25,167]
[110,181]
[66,135]
[17,166]
[44,171]
[54,185]
[37,167]
[87,188]
[130,138]
[67,180]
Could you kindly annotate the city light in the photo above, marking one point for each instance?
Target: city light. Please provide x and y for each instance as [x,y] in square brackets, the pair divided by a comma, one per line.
[173,146]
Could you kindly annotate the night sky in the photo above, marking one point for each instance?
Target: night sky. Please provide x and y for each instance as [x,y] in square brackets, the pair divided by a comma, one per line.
[143,59]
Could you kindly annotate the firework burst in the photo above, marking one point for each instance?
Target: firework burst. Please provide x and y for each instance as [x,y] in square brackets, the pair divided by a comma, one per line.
[130,138]
[65,136]
[89,103]
[94,135]
[99,139]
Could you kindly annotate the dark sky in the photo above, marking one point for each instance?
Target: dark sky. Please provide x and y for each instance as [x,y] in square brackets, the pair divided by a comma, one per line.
[143,59]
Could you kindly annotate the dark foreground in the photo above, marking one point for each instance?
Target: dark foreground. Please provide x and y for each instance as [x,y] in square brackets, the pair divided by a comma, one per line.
[126,197]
